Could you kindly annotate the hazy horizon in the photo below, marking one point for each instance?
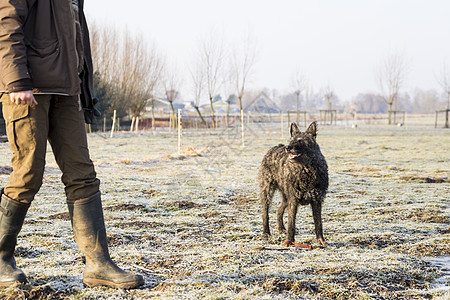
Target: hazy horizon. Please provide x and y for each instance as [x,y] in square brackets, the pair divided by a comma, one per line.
[333,43]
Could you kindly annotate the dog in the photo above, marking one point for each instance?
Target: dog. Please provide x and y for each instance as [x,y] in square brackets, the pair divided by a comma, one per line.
[300,172]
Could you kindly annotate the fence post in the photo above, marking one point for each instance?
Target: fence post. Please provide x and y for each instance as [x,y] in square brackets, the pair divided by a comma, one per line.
[132,124]
[179,131]
[282,131]
[113,124]
[242,128]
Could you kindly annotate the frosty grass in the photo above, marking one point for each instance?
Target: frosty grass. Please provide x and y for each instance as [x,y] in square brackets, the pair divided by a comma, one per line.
[190,222]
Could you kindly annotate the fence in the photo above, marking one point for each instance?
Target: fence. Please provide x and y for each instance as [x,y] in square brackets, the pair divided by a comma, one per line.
[446,113]
[163,121]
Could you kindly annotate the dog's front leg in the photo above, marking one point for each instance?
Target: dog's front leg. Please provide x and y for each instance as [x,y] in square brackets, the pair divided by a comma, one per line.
[293,205]
[316,206]
[280,213]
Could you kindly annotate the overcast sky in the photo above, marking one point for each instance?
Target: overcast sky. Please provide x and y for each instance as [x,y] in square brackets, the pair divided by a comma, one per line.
[339,43]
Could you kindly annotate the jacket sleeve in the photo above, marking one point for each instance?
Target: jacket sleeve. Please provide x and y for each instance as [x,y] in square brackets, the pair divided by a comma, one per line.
[87,99]
[13,55]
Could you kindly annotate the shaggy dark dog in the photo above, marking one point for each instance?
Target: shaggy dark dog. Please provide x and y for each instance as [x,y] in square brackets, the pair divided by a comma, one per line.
[300,172]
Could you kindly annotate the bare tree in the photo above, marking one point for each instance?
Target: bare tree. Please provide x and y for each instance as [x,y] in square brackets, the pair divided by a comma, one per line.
[152,100]
[328,94]
[128,66]
[369,103]
[309,98]
[444,82]
[198,86]
[212,57]
[171,84]
[298,84]
[229,91]
[391,76]
[243,62]
[140,72]
[104,44]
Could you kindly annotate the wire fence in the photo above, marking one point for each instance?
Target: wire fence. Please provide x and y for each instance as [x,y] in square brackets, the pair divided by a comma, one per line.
[168,121]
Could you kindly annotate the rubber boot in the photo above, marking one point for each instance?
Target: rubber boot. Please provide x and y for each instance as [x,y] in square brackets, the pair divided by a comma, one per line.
[12,215]
[90,234]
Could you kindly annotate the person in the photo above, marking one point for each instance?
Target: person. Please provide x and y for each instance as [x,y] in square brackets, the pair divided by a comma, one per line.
[45,86]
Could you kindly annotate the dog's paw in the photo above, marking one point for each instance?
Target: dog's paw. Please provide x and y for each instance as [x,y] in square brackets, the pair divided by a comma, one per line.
[266,236]
[322,243]
[282,230]
[288,243]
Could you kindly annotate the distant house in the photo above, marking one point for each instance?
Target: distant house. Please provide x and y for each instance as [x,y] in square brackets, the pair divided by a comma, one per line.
[231,104]
[221,105]
[262,104]
[351,108]
[162,105]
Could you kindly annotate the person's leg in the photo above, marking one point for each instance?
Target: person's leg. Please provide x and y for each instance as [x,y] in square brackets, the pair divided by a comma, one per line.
[67,136]
[12,215]
[27,128]
[27,131]
[90,234]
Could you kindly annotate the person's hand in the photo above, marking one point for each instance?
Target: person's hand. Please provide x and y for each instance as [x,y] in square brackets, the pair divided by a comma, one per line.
[23,98]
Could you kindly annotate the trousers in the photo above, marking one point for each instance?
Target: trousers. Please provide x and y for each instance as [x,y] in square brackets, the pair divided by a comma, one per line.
[60,121]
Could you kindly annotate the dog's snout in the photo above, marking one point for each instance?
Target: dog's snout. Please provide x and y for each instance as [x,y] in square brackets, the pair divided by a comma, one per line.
[288,148]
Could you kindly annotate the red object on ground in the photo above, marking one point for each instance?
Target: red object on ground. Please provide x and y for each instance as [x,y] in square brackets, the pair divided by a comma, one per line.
[288,243]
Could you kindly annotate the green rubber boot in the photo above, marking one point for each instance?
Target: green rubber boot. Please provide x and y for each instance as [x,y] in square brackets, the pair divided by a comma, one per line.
[90,234]
[12,215]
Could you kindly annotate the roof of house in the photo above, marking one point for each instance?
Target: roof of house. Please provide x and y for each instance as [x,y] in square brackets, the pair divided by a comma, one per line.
[262,104]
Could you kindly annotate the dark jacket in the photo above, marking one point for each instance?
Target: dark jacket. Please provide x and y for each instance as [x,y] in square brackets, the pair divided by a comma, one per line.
[44,46]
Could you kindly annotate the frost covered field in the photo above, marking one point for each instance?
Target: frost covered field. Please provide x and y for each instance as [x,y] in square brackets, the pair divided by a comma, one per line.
[191,225]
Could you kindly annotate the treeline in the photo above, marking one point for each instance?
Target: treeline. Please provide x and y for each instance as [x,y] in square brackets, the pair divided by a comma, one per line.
[419,101]
[126,70]
[129,73]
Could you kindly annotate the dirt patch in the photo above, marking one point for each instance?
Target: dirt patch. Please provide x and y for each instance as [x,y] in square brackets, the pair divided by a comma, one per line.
[60,216]
[417,215]
[280,285]
[39,292]
[428,215]
[190,151]
[209,214]
[377,241]
[126,207]
[151,193]
[26,252]
[184,204]
[345,283]
[242,201]
[436,180]
[426,179]
[170,267]
[139,224]
[445,230]
[125,239]
[5,170]
[424,249]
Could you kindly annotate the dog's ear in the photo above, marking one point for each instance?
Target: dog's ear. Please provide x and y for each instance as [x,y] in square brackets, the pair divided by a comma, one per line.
[312,130]
[294,129]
